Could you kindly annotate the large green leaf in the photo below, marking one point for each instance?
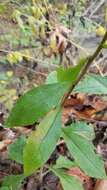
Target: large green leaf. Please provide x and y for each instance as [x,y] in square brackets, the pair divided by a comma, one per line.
[4,188]
[68,182]
[13,181]
[83,152]
[36,103]
[70,74]
[15,150]
[92,84]
[41,143]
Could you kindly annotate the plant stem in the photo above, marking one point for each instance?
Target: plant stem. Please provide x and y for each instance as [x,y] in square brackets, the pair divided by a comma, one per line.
[85,68]
[41,175]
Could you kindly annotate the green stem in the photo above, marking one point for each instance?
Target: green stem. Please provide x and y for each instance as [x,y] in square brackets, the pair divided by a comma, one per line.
[85,68]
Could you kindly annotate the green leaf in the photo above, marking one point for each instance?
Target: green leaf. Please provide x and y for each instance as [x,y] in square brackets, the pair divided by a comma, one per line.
[41,143]
[3,8]
[70,74]
[83,152]
[3,77]
[52,78]
[36,103]
[15,150]
[105,45]
[68,182]
[83,130]
[13,181]
[92,84]
[64,162]
[4,188]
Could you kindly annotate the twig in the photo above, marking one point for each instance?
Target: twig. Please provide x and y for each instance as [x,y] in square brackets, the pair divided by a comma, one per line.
[33,71]
[41,62]
[97,65]
[89,8]
[97,8]
[41,174]
[24,55]
[85,68]
[78,46]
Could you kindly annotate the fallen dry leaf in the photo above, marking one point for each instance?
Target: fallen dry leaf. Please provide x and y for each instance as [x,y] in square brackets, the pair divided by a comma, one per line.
[4,144]
[85,107]
[84,179]
[101,185]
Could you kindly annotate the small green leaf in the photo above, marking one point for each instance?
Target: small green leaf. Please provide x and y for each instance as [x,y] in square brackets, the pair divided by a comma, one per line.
[92,84]
[41,143]
[64,162]
[83,152]
[105,45]
[68,182]
[13,181]
[15,150]
[3,8]
[36,103]
[70,74]
[3,77]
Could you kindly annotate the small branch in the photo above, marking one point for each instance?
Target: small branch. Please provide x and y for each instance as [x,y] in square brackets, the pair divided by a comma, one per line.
[97,8]
[85,68]
[41,175]
[33,71]
[89,8]
[40,61]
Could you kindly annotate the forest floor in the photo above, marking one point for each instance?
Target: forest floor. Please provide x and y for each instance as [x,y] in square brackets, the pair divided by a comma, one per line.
[16,79]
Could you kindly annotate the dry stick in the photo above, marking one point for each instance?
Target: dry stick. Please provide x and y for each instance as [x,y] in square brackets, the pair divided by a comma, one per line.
[85,68]
[97,8]
[41,62]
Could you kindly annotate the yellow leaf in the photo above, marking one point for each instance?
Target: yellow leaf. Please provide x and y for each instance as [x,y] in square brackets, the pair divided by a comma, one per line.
[10,58]
[18,56]
[2,81]
[34,30]
[63,9]
[35,1]
[9,74]
[27,55]
[100,31]
[36,12]
[14,57]
[42,31]
[31,20]
[53,43]
[106,15]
